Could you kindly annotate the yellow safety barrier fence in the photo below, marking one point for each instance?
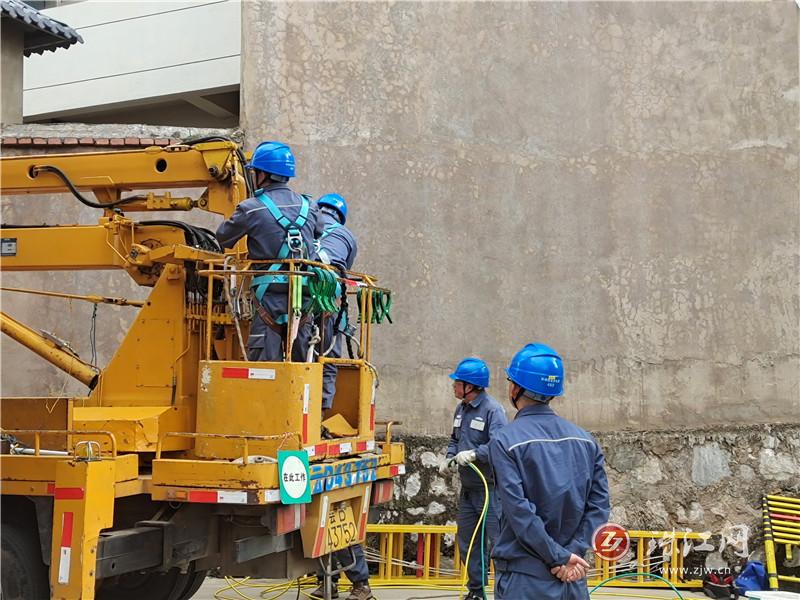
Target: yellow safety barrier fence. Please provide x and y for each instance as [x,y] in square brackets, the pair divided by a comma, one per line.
[781,528]
[658,552]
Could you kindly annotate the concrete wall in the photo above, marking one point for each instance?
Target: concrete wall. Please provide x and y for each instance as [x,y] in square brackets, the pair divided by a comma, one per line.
[11,48]
[706,479]
[619,180]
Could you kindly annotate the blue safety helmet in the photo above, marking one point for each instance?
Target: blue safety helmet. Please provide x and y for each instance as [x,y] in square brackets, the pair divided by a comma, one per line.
[336,202]
[273,157]
[472,370]
[538,368]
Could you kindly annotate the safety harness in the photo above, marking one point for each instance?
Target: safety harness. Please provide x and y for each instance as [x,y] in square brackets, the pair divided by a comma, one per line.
[293,245]
[327,231]
[323,256]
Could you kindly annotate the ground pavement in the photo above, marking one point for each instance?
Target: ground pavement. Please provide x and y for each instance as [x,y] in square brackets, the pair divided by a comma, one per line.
[212,586]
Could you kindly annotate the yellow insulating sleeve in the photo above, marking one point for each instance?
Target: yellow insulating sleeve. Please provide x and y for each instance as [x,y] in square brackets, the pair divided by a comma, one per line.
[475,532]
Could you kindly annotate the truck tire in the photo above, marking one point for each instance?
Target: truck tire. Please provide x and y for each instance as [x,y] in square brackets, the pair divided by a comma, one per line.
[24,575]
[172,585]
[152,585]
[197,579]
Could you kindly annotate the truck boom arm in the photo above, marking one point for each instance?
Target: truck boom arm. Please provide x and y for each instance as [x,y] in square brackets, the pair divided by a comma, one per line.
[49,350]
[215,165]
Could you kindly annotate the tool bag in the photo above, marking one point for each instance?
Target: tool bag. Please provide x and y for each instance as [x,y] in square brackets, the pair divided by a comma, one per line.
[720,584]
[753,578]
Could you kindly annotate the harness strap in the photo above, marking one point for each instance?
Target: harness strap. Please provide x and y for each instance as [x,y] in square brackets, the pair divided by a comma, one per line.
[277,325]
[292,229]
[285,223]
[327,231]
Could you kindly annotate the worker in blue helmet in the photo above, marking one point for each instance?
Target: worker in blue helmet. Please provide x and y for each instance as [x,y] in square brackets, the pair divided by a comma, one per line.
[278,223]
[337,246]
[478,417]
[552,489]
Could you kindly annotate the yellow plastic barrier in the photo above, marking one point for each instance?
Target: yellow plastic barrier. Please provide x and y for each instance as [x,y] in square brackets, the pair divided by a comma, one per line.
[781,526]
[426,567]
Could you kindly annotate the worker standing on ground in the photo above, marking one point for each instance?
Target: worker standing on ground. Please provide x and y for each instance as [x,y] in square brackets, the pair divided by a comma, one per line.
[551,487]
[278,223]
[478,418]
[337,247]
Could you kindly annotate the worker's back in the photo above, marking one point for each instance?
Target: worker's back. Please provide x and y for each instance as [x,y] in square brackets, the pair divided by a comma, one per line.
[561,470]
[265,236]
[337,243]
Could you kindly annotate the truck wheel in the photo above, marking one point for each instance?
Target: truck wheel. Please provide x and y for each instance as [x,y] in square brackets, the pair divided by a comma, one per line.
[196,580]
[24,575]
[146,586]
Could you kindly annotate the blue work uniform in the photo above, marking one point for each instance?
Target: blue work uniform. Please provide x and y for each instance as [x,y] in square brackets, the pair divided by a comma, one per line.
[474,425]
[265,237]
[552,494]
[338,247]
[358,573]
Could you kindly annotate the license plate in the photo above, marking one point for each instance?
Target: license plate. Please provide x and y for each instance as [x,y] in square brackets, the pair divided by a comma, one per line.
[340,530]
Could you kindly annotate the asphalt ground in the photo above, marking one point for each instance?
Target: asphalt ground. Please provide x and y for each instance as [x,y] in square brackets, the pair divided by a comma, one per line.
[271,592]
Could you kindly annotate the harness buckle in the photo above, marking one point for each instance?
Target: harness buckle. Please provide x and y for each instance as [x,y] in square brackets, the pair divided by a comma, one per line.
[294,241]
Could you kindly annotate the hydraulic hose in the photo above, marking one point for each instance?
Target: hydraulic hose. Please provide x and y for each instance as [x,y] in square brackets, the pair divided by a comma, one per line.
[81,198]
[239,154]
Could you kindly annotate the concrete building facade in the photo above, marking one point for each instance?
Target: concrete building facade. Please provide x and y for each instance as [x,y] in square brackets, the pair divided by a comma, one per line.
[24,31]
[158,63]
[619,180]
[12,46]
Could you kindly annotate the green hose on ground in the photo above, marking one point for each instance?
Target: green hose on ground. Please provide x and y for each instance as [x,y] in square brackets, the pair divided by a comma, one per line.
[610,579]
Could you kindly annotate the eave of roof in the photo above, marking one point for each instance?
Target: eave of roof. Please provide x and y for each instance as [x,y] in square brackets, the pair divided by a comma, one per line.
[41,31]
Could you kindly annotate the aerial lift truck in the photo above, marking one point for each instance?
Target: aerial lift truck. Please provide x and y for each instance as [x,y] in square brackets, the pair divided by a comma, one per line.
[182,456]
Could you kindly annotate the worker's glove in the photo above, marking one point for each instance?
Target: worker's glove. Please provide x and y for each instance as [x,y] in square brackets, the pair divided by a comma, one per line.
[465,457]
[445,465]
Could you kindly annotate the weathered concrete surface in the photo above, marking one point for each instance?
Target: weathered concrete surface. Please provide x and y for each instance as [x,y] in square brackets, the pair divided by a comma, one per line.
[617,179]
[704,479]
[24,373]
[12,45]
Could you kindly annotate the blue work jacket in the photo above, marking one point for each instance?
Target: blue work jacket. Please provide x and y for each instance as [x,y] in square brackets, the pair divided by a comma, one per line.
[474,424]
[264,236]
[336,242]
[551,489]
